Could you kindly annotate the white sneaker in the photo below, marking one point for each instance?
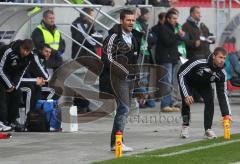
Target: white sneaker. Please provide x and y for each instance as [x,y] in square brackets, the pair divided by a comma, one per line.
[124,148]
[185,132]
[4,128]
[209,134]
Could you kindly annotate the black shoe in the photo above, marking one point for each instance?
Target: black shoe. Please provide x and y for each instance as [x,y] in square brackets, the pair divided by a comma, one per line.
[17,127]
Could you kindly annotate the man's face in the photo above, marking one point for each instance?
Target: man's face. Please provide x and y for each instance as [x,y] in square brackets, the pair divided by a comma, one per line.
[46,52]
[49,19]
[219,60]
[196,14]
[173,20]
[89,20]
[24,52]
[127,23]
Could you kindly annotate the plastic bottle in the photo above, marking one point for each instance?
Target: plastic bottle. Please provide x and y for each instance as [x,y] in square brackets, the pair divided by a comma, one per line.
[118,144]
[226,126]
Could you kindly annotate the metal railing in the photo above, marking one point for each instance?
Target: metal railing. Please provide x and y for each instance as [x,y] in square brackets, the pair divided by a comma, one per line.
[58,5]
[84,13]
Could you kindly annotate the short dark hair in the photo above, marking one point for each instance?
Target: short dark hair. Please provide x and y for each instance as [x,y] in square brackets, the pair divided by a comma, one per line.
[27,44]
[170,14]
[47,12]
[87,10]
[44,45]
[192,9]
[220,50]
[161,15]
[174,10]
[125,12]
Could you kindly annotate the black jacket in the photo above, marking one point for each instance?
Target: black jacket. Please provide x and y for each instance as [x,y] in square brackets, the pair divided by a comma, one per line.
[166,46]
[78,35]
[194,32]
[200,73]
[114,47]
[12,65]
[37,67]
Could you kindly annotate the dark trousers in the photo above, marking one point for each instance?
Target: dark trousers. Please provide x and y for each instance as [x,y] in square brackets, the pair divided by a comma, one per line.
[206,93]
[9,105]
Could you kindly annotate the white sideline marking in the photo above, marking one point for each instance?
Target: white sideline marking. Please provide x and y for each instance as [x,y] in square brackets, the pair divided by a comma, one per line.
[193,149]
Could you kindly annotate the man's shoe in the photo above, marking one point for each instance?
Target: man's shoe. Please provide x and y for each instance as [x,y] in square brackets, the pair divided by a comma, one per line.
[185,132]
[167,109]
[124,148]
[4,128]
[209,134]
[175,109]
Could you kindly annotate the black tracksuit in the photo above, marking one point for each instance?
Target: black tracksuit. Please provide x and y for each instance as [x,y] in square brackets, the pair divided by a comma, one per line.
[37,68]
[12,69]
[198,75]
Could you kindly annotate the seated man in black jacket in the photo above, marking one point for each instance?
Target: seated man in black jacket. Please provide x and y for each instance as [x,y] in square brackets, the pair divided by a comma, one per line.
[198,75]
[36,77]
[14,60]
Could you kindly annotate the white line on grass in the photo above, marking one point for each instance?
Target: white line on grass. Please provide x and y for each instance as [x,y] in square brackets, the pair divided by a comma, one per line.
[192,150]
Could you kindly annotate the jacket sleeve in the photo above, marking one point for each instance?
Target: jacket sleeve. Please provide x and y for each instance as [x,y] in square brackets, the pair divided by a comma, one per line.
[221,88]
[187,69]
[37,38]
[190,42]
[184,70]
[62,45]
[6,81]
[109,60]
[38,70]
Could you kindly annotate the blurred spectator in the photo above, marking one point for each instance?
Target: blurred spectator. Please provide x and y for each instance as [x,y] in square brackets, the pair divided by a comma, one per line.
[47,32]
[181,44]
[142,26]
[198,44]
[167,55]
[82,28]
[154,29]
[232,65]
[146,56]
[15,59]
